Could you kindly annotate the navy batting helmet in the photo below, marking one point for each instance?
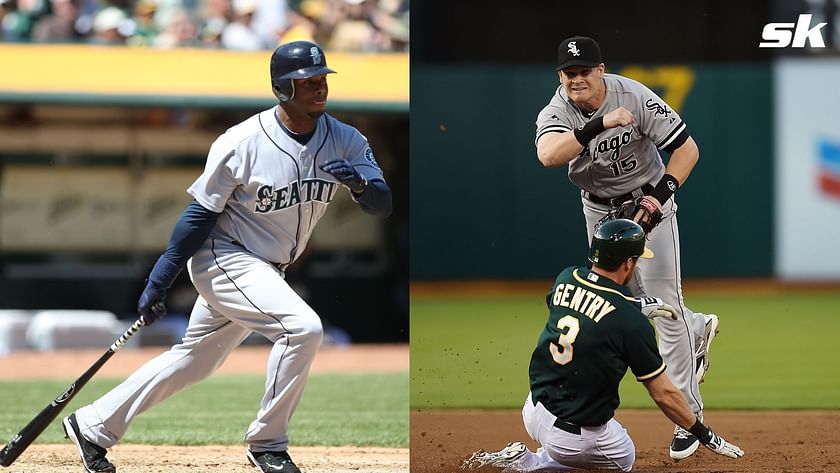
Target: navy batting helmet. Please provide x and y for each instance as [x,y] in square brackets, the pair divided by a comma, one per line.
[616,240]
[295,60]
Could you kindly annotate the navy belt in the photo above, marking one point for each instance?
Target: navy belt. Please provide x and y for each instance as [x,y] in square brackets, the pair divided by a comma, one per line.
[616,201]
[567,426]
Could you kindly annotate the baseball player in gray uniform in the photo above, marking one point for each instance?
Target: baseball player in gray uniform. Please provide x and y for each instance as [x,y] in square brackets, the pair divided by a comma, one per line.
[266,183]
[608,129]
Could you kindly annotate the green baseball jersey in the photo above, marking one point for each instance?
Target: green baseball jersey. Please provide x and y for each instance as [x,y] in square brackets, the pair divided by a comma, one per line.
[595,331]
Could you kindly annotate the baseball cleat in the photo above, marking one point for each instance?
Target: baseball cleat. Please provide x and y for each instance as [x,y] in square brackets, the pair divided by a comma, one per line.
[92,455]
[503,458]
[711,330]
[683,445]
[273,462]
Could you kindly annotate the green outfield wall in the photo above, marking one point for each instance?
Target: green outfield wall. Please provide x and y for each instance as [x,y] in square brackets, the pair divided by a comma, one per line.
[482,206]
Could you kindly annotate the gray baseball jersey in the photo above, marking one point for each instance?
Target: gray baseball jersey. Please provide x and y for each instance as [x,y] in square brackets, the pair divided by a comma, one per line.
[621,159]
[270,192]
[270,189]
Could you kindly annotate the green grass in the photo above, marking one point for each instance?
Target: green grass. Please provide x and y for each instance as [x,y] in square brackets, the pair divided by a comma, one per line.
[363,410]
[773,352]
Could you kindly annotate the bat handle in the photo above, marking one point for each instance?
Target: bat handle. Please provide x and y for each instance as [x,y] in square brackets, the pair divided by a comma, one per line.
[137,325]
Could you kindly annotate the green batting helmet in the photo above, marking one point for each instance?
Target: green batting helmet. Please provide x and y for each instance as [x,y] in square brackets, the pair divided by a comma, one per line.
[615,241]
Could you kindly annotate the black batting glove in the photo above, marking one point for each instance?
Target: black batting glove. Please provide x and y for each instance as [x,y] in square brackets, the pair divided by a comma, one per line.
[719,445]
[715,442]
[151,307]
[346,174]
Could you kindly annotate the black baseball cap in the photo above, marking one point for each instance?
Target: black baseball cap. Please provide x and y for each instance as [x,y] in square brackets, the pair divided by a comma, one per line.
[578,51]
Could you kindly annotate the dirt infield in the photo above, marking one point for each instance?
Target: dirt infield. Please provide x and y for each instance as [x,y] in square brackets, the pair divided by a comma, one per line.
[773,441]
[212,459]
[207,459]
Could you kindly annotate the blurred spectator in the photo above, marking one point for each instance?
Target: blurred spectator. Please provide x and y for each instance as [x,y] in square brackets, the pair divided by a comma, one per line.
[354,30]
[391,18]
[124,5]
[394,30]
[60,25]
[145,27]
[15,23]
[180,32]
[238,34]
[303,23]
[111,26]
[270,22]
[328,14]
[246,25]
[87,12]
[215,15]
[166,9]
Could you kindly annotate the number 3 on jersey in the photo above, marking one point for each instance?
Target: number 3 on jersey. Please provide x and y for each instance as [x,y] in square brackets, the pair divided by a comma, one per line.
[562,351]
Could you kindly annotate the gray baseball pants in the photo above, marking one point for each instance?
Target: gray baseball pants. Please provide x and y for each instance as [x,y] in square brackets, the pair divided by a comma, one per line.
[660,277]
[239,294]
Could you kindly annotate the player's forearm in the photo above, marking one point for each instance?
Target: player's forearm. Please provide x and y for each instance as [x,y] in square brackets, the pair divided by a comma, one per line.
[670,401]
[187,237]
[683,160]
[675,408]
[557,149]
[376,199]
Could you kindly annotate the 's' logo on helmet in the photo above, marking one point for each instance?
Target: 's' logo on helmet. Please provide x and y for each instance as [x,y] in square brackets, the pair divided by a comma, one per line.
[316,55]
[574,49]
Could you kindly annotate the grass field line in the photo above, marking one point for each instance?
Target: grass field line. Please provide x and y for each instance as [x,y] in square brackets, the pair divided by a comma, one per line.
[65,364]
[745,286]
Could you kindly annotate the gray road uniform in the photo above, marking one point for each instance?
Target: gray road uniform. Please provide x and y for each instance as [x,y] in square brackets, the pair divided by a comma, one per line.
[622,163]
[271,193]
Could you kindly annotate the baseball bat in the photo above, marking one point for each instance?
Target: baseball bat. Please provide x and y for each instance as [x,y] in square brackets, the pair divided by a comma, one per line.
[33,429]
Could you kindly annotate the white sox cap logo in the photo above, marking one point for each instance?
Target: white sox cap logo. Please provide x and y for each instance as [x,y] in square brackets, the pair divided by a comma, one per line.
[316,55]
[574,49]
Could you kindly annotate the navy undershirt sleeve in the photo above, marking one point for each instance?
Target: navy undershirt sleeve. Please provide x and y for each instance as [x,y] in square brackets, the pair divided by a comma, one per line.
[187,237]
[376,199]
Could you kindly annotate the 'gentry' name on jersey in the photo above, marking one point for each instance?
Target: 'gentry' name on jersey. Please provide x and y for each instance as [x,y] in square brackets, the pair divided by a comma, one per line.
[582,301]
[296,193]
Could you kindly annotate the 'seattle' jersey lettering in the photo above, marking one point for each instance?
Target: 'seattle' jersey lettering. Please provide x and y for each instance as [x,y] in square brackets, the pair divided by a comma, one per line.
[594,332]
[621,159]
[269,189]
[308,190]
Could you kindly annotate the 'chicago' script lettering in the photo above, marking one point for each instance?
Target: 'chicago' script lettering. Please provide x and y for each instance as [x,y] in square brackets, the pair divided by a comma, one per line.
[613,144]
